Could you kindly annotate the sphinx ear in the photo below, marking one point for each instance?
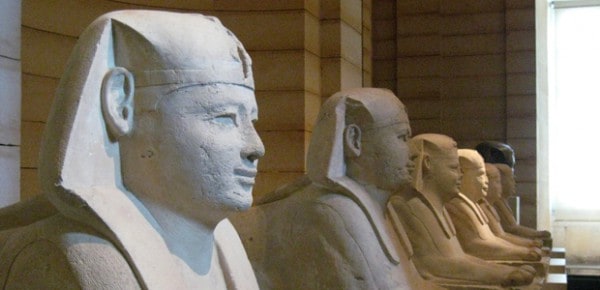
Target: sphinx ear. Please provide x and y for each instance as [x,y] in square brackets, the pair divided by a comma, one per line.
[352,140]
[117,101]
[427,163]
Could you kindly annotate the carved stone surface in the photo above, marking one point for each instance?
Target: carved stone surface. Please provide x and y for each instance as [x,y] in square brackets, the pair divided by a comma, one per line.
[437,252]
[507,219]
[149,148]
[503,157]
[334,228]
[493,195]
[471,223]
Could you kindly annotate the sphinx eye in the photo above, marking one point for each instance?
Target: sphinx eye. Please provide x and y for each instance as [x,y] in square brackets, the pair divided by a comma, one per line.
[403,135]
[228,119]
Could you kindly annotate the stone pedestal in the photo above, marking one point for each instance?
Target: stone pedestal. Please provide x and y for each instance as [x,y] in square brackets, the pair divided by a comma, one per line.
[556,282]
[557,266]
[557,252]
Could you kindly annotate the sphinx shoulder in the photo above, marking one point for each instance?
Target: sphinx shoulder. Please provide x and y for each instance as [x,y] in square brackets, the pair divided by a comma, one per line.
[57,252]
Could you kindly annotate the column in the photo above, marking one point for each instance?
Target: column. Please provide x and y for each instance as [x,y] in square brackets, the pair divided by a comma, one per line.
[10,100]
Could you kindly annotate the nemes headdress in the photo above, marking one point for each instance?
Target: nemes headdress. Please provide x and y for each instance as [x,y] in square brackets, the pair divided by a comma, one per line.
[158,48]
[326,165]
[187,49]
[372,108]
[470,159]
[434,146]
[80,164]
[428,144]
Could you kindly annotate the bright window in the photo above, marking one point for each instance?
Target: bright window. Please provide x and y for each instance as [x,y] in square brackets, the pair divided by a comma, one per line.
[574,112]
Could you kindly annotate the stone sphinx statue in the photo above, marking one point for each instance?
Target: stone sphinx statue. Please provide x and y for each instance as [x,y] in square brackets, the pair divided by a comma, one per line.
[503,156]
[509,223]
[149,147]
[473,232]
[332,229]
[437,252]
[494,193]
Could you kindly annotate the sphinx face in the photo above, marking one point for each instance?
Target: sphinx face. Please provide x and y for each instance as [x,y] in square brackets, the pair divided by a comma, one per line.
[197,151]
[494,182]
[508,180]
[387,151]
[474,183]
[445,172]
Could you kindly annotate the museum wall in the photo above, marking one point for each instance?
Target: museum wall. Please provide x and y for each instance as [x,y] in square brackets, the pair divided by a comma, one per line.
[10,98]
[466,69]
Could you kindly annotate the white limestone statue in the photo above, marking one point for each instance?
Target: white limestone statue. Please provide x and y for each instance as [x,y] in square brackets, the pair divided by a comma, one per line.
[149,147]
[438,255]
[333,228]
[493,195]
[473,232]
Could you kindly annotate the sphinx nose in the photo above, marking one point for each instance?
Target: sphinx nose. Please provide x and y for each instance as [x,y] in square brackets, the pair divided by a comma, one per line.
[410,165]
[254,155]
[253,148]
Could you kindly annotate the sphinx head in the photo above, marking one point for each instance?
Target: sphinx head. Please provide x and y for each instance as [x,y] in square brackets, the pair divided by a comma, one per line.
[494,182]
[474,182]
[496,152]
[437,169]
[507,178]
[361,134]
[173,123]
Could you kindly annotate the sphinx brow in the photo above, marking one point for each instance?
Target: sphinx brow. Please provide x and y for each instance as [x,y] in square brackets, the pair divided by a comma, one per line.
[381,126]
[187,86]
